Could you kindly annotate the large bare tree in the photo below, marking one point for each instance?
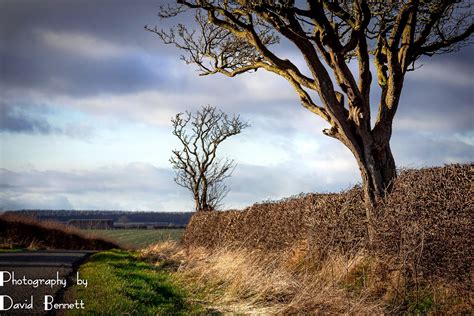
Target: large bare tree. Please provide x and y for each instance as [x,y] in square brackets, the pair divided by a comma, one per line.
[197,167]
[235,37]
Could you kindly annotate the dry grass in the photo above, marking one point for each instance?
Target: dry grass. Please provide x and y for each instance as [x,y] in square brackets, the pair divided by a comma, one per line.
[309,254]
[27,232]
[257,282]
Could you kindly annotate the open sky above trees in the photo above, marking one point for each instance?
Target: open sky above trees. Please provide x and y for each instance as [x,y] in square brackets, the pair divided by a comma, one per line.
[86,98]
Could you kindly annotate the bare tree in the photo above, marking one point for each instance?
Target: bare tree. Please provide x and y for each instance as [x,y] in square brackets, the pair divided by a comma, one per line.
[197,167]
[235,37]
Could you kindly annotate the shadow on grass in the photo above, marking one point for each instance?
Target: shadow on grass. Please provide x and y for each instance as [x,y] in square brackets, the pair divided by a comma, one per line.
[135,287]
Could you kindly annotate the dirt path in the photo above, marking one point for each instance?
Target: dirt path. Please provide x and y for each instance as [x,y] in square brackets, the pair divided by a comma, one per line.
[34,276]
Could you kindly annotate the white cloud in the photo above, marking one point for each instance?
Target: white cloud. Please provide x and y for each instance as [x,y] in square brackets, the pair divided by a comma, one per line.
[132,186]
[266,87]
[82,44]
[142,186]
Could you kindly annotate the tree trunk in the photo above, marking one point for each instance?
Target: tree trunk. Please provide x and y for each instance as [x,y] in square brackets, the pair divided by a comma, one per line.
[386,165]
[197,204]
[377,168]
[378,172]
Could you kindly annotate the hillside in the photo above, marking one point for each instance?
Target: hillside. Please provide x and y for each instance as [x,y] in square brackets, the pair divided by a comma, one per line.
[23,232]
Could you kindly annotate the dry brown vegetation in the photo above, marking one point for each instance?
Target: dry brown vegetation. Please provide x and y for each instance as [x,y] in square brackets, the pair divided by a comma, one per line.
[26,232]
[308,254]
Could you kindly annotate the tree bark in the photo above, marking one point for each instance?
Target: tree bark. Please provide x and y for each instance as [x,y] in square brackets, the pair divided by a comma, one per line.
[377,173]
[385,163]
[378,170]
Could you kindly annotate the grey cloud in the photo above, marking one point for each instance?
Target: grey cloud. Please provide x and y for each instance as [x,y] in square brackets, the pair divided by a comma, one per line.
[251,184]
[143,186]
[58,73]
[17,202]
[33,119]
[120,21]
[436,106]
[131,178]
[27,62]
[16,121]
[462,55]
[135,186]
[416,150]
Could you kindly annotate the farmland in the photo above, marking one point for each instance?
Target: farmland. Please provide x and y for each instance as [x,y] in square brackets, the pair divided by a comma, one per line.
[138,238]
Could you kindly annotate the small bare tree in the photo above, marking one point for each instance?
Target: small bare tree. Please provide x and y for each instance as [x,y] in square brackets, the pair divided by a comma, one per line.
[198,169]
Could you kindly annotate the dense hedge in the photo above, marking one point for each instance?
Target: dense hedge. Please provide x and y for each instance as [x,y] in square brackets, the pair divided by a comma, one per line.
[424,224]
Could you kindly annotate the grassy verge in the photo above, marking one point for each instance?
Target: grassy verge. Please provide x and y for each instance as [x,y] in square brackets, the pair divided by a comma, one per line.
[138,238]
[119,283]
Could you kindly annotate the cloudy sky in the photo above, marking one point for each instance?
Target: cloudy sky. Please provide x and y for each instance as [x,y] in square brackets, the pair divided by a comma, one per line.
[86,98]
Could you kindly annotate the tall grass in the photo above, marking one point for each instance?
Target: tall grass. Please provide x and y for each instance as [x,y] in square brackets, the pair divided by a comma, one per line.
[294,282]
[244,281]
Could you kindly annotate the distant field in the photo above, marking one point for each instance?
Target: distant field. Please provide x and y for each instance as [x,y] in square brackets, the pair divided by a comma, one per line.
[138,238]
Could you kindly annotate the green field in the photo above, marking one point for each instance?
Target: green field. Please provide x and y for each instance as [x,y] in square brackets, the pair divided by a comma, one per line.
[138,238]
